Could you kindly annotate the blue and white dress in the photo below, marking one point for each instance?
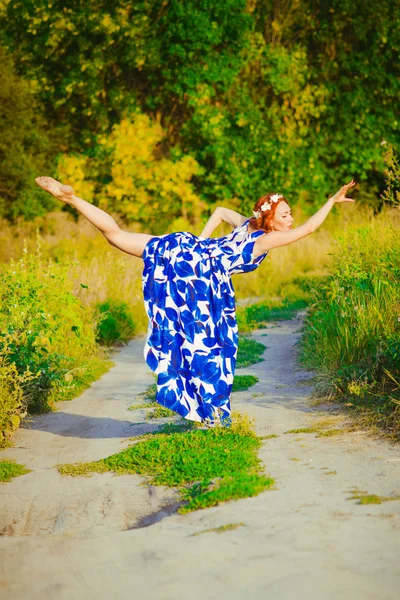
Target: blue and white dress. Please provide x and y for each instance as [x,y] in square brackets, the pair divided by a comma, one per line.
[192,340]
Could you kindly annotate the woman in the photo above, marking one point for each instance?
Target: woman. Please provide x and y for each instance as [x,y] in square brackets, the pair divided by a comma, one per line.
[189,298]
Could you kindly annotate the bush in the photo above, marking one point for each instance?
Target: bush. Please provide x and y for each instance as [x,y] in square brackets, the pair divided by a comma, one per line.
[12,400]
[115,323]
[352,333]
[45,331]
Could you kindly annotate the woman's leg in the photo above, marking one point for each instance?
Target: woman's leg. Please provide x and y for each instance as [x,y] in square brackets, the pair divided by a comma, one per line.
[132,243]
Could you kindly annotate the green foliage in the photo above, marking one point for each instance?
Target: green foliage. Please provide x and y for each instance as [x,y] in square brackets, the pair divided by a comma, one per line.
[242,485]
[392,176]
[45,331]
[218,464]
[260,313]
[12,400]
[160,412]
[10,469]
[115,323]
[293,97]
[249,352]
[25,146]
[352,331]
[243,382]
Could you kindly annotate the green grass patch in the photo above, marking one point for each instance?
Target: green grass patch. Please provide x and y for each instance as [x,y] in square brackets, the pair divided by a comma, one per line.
[10,469]
[160,412]
[208,466]
[260,314]
[249,352]
[330,432]
[269,437]
[301,430]
[364,498]
[143,405]
[243,382]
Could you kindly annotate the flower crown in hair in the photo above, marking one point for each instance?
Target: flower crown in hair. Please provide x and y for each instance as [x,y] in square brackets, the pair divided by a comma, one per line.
[267,205]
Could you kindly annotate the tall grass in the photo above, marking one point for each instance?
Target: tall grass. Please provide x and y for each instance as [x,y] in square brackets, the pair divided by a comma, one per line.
[352,332]
[48,350]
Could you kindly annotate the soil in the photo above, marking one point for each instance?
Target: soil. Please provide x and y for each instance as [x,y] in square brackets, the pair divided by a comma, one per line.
[114,535]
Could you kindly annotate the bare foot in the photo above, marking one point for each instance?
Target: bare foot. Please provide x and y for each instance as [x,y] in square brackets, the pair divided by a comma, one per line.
[57,189]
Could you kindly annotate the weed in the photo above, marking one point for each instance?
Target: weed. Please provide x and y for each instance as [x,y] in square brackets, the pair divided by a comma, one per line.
[10,469]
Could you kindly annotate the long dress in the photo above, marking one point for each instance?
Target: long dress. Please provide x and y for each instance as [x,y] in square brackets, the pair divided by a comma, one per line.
[192,339]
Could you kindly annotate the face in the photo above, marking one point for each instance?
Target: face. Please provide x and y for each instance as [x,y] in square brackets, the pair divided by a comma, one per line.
[283,219]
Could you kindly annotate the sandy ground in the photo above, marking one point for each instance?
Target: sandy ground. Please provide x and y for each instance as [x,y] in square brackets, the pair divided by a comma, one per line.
[112,536]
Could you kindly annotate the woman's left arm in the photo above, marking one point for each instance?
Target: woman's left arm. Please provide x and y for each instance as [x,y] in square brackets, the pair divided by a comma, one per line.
[219,215]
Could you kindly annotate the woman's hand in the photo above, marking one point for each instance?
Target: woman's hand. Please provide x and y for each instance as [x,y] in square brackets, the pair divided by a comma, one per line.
[340,196]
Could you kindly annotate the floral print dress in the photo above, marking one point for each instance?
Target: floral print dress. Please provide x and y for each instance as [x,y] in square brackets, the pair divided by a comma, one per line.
[192,339]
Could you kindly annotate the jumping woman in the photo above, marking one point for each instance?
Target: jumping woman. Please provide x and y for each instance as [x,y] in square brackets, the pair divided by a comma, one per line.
[192,339]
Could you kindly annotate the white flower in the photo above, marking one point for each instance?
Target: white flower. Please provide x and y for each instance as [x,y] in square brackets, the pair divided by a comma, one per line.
[256,213]
[276,197]
[265,206]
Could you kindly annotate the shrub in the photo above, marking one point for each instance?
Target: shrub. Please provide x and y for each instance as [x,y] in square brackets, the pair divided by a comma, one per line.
[45,330]
[12,400]
[352,332]
[115,324]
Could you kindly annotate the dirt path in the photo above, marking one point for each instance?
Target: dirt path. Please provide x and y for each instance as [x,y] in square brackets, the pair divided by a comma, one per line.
[87,538]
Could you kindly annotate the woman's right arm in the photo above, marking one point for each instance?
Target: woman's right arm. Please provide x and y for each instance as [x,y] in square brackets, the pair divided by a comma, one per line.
[275,239]
[220,215]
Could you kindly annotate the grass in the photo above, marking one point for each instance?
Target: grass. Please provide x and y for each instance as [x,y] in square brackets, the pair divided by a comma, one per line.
[261,313]
[160,412]
[10,469]
[143,405]
[365,498]
[351,333]
[207,466]
[325,426]
[221,529]
[243,382]
[249,352]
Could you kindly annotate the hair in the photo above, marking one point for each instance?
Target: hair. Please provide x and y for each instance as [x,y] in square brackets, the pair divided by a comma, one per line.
[264,221]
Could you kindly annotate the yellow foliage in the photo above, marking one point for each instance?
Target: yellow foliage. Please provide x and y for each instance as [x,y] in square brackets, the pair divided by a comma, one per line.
[146,186]
[71,170]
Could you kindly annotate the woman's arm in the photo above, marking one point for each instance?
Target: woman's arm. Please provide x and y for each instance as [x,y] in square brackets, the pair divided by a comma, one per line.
[219,215]
[275,239]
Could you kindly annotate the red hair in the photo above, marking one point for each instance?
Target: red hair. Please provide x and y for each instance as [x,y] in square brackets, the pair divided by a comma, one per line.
[264,221]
